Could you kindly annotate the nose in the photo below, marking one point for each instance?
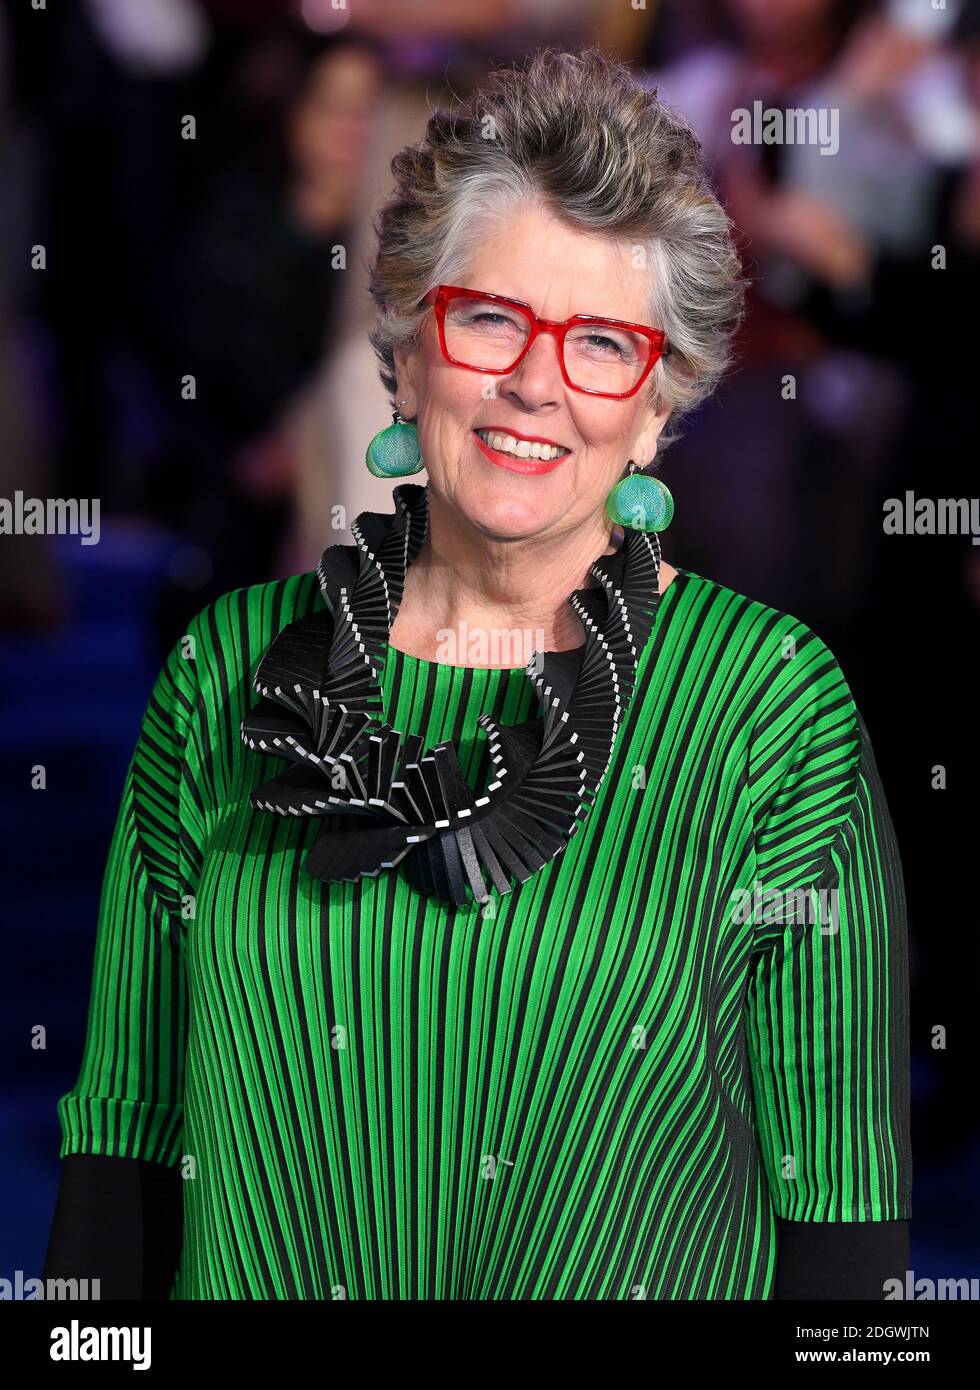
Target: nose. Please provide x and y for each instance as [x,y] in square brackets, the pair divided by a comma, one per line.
[536,382]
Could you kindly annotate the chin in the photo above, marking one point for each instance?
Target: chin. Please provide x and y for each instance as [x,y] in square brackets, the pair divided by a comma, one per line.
[510,517]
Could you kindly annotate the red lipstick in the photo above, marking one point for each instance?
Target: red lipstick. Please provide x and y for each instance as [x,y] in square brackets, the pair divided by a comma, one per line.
[510,461]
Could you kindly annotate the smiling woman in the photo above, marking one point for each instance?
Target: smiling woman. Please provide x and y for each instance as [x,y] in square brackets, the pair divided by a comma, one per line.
[557,361]
[468,1005]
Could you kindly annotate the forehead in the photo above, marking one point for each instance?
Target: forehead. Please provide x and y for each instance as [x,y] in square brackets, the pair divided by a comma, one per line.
[559,270]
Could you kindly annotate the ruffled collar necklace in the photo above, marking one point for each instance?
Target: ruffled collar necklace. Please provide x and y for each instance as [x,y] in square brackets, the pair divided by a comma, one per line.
[385,801]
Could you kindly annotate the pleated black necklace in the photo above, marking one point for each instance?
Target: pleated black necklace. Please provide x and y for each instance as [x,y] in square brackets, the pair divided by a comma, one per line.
[385,801]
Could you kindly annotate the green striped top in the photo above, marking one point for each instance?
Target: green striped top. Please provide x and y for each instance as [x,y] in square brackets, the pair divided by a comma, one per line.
[609,1084]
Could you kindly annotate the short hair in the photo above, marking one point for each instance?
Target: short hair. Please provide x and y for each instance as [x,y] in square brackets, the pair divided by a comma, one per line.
[578,132]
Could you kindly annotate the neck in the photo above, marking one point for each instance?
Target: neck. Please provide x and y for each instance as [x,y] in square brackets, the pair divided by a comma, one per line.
[463,583]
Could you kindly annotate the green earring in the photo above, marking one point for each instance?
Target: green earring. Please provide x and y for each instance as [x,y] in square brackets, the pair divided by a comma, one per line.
[394,452]
[642,502]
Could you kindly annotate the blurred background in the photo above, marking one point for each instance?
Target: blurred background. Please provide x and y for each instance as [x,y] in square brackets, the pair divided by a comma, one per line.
[187,192]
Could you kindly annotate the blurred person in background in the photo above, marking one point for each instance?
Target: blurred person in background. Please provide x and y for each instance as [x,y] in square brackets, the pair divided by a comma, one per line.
[825,235]
[119,187]
[258,288]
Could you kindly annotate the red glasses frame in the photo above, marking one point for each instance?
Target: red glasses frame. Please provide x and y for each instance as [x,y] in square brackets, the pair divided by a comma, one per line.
[441,295]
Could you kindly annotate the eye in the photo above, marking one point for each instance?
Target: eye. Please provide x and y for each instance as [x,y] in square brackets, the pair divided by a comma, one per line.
[488,318]
[604,344]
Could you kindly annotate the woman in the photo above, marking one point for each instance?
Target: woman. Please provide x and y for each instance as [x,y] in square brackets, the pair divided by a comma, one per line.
[530,999]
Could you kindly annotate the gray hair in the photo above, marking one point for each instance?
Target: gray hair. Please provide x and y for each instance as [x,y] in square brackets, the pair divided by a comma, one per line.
[578,132]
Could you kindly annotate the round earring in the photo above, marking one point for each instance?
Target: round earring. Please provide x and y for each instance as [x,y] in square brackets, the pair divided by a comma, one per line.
[394,452]
[640,501]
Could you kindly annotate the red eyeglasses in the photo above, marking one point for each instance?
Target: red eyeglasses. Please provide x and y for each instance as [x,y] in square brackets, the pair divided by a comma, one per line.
[491,333]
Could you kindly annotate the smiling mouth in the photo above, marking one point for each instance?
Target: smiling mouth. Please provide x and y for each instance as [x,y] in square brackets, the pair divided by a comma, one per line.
[519,455]
[522,448]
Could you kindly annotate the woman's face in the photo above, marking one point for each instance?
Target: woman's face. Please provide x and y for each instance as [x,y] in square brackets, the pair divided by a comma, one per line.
[558,271]
[331,121]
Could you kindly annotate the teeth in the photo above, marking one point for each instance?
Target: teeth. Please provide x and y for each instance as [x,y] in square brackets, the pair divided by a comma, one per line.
[520,448]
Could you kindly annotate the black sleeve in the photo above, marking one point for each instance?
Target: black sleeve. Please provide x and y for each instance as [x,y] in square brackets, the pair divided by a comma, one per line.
[118,1220]
[840,1259]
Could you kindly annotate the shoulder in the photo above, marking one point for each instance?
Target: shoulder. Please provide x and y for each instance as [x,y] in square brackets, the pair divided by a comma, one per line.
[805,741]
[257,611]
[768,651]
[767,672]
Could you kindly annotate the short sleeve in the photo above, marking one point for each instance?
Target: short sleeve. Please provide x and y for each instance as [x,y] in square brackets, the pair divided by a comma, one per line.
[128,1099]
[827,1024]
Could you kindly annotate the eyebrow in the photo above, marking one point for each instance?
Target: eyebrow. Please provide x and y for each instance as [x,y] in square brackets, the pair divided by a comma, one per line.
[581,314]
